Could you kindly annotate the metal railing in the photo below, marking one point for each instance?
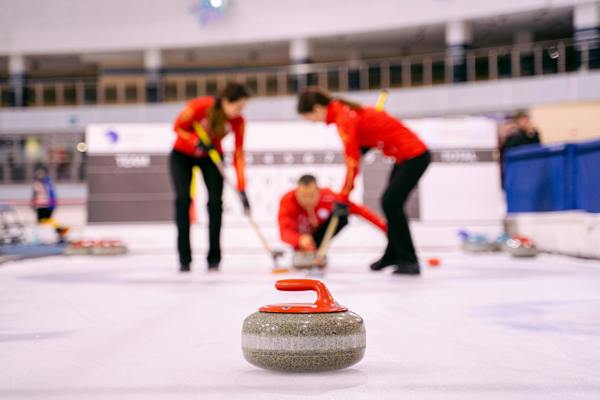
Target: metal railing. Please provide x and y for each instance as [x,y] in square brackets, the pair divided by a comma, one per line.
[21,154]
[540,58]
[69,171]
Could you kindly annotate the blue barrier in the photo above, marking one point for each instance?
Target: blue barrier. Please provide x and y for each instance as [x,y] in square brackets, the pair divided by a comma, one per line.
[536,179]
[553,178]
[587,176]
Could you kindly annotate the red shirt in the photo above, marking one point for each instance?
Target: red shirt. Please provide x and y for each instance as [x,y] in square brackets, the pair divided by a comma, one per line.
[295,220]
[368,128]
[187,139]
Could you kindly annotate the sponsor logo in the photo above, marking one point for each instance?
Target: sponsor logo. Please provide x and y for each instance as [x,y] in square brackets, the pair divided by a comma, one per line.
[460,156]
[132,161]
[112,136]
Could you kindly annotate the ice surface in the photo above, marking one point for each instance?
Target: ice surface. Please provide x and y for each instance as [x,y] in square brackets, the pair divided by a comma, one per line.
[478,327]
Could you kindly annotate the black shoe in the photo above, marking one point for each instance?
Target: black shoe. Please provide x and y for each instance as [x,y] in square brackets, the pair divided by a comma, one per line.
[213,267]
[184,268]
[407,269]
[381,264]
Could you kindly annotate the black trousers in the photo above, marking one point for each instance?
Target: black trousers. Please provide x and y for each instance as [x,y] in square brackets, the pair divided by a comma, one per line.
[181,173]
[403,179]
[44,213]
[319,233]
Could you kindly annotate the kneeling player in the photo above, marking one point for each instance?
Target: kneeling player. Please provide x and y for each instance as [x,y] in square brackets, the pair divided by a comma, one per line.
[304,214]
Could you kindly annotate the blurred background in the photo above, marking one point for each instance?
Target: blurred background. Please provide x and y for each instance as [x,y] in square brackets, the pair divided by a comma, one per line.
[90,89]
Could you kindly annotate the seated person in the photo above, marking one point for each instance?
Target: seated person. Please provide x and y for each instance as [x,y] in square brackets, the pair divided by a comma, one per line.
[305,212]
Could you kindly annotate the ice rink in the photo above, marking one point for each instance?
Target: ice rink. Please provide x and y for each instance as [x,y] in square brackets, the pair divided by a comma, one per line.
[131,327]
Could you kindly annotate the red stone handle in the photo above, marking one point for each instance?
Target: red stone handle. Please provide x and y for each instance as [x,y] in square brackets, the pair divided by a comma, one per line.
[324,299]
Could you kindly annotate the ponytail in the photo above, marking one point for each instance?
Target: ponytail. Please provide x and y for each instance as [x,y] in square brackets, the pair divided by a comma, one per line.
[311,97]
[216,115]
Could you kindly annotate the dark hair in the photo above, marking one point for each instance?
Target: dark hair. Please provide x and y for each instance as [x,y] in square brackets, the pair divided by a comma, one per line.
[41,168]
[306,180]
[232,92]
[520,114]
[311,97]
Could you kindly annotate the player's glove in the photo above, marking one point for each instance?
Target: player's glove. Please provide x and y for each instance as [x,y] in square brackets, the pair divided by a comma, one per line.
[340,209]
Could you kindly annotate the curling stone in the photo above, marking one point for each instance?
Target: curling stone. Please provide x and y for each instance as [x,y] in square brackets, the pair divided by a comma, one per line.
[306,260]
[109,248]
[520,246]
[477,243]
[79,247]
[298,337]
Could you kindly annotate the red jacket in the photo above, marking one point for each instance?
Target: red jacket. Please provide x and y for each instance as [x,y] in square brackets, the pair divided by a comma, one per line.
[295,220]
[368,128]
[187,140]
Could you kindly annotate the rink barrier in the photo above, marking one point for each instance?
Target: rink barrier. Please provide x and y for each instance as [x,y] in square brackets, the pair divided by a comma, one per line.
[553,196]
[553,178]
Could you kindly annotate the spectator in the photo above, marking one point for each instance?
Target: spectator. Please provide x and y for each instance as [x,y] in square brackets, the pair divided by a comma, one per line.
[43,199]
[516,131]
[522,132]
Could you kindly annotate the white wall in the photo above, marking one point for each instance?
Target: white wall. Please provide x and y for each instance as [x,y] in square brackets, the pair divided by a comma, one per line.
[454,193]
[572,122]
[573,233]
[63,26]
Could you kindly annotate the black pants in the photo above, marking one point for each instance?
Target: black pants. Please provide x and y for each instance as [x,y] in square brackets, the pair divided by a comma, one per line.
[44,213]
[403,179]
[319,233]
[181,174]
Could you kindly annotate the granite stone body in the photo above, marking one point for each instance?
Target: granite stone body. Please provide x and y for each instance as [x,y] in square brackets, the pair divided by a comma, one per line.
[303,259]
[523,251]
[303,342]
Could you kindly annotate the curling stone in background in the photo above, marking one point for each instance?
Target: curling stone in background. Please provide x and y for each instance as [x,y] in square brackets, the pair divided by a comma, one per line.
[96,248]
[501,241]
[477,243]
[521,246]
[109,247]
[306,260]
[79,247]
[307,337]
